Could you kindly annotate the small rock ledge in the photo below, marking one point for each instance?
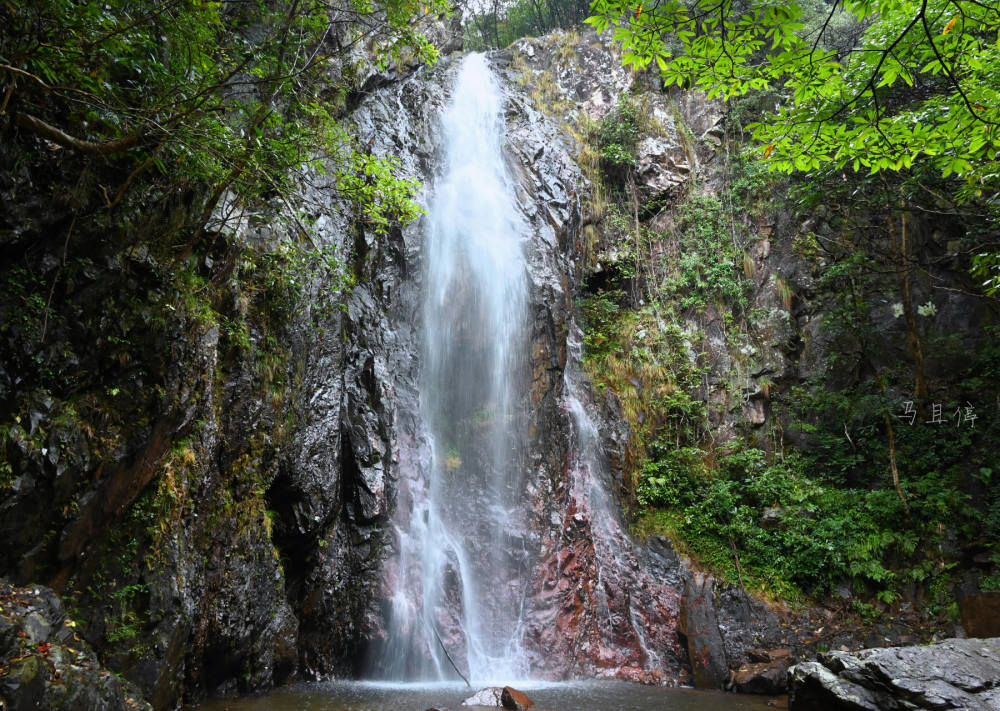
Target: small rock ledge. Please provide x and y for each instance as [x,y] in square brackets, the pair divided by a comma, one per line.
[45,665]
[954,674]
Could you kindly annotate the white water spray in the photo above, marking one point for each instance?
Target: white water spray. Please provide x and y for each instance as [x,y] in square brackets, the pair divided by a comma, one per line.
[457,586]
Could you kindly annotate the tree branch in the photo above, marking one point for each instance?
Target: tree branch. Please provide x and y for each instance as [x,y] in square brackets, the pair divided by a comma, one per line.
[870,84]
[58,136]
[948,72]
[44,84]
[445,650]
[125,28]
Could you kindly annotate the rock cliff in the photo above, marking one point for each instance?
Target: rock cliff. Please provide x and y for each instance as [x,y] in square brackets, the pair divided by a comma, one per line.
[203,456]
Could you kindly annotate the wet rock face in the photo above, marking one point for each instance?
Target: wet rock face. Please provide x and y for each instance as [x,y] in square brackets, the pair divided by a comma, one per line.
[578,79]
[238,524]
[44,664]
[384,309]
[362,399]
[700,626]
[954,674]
[148,513]
[218,524]
[594,608]
[592,616]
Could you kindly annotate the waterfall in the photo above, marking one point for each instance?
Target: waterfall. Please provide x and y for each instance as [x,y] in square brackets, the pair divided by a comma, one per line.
[457,583]
[589,483]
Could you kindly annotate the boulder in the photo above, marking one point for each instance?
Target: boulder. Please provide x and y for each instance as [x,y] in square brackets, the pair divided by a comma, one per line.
[761,678]
[768,655]
[511,698]
[490,696]
[500,697]
[37,628]
[954,674]
[813,686]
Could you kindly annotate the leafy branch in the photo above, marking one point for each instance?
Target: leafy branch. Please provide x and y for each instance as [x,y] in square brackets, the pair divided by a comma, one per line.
[916,81]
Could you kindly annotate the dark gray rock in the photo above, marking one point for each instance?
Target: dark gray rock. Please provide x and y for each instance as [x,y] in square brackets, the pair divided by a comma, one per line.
[813,686]
[62,675]
[37,628]
[954,674]
[769,677]
[23,684]
[699,625]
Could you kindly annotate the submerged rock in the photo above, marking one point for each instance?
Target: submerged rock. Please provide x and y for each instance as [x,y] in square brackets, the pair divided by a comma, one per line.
[955,674]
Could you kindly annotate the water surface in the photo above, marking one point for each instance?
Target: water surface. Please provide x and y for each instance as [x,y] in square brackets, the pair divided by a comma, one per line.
[561,696]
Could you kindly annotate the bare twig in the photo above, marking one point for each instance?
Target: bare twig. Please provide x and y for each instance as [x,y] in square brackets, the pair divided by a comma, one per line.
[43,83]
[6,98]
[450,660]
[55,280]
[892,466]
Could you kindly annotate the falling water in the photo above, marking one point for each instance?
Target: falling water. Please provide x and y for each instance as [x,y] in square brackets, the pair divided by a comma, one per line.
[457,584]
[589,483]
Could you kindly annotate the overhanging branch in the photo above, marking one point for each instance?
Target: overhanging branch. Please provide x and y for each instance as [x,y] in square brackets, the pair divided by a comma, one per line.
[58,136]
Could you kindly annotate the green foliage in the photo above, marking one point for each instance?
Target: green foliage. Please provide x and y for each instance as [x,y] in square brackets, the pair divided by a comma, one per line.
[864,85]
[128,623]
[496,24]
[991,583]
[279,277]
[206,96]
[617,137]
[635,344]
[647,363]
[749,180]
[847,450]
[670,478]
[790,524]
[986,267]
[600,313]
[813,537]
[377,193]
[710,263]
